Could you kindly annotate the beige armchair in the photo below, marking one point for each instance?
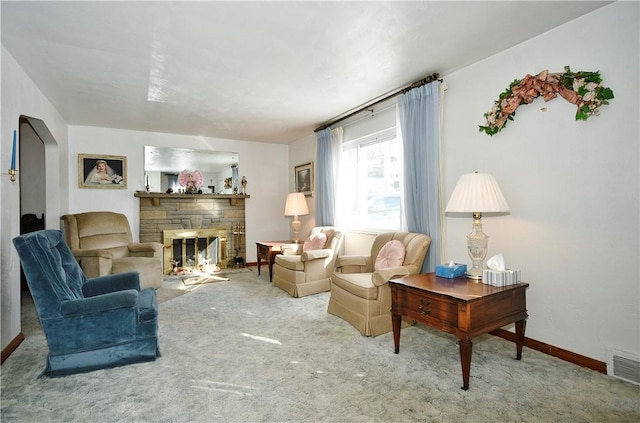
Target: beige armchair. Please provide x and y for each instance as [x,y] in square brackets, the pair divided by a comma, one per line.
[308,272]
[361,295]
[103,245]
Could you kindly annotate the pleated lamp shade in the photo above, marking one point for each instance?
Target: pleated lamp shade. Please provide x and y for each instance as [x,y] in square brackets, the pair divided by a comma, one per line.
[477,192]
[296,205]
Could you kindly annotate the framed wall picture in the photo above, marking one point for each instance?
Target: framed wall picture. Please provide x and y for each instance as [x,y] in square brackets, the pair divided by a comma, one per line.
[102,171]
[304,178]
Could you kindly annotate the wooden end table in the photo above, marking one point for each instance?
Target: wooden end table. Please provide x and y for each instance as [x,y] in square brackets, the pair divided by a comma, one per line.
[268,250]
[458,306]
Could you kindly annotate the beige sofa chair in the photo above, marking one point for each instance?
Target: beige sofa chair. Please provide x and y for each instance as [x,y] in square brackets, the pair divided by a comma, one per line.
[103,245]
[361,295]
[308,272]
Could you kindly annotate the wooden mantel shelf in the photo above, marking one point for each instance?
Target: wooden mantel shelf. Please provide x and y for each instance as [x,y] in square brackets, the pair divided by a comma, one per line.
[156,196]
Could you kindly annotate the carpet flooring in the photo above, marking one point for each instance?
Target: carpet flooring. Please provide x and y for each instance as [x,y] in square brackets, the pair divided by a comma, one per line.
[244,351]
[200,280]
[175,286]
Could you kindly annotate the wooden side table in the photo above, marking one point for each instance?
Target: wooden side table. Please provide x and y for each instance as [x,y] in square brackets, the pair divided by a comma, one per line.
[268,250]
[458,306]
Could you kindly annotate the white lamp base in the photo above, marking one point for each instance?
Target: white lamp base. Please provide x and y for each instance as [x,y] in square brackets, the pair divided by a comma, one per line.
[295,225]
[477,243]
[473,273]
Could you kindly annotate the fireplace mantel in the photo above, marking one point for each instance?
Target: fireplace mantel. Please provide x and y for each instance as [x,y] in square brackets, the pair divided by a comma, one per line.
[156,196]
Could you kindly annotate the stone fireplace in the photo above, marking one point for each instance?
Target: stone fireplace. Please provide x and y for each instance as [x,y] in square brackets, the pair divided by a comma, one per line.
[195,229]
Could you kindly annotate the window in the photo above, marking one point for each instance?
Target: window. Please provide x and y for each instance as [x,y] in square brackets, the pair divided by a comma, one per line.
[369,187]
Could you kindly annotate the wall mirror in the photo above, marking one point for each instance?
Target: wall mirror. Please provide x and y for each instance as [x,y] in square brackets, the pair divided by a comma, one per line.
[162,165]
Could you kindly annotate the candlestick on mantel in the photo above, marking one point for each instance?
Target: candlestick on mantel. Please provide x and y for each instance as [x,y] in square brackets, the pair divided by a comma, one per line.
[12,171]
[13,152]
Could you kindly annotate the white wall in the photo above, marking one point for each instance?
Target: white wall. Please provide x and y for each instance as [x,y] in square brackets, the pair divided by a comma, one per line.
[573,187]
[264,165]
[21,97]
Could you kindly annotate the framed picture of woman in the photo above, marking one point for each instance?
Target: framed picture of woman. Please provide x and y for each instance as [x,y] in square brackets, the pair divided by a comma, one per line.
[304,178]
[102,171]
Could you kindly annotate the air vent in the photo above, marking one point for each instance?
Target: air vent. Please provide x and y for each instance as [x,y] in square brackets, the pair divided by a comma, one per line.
[623,365]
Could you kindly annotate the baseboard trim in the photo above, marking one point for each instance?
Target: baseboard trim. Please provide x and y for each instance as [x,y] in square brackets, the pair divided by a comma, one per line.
[571,357]
[11,347]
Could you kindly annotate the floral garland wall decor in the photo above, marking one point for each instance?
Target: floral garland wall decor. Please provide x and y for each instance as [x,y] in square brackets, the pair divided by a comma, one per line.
[580,88]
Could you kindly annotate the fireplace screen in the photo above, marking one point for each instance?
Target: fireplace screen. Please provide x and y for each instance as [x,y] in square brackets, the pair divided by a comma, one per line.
[195,249]
[195,252]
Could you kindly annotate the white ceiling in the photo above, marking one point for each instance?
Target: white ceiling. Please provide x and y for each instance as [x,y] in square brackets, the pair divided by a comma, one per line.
[257,71]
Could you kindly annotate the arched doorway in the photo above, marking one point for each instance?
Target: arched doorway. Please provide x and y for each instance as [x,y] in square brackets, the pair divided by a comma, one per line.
[38,178]
[32,184]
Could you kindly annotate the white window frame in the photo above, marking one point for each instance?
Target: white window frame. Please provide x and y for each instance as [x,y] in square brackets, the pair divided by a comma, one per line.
[347,190]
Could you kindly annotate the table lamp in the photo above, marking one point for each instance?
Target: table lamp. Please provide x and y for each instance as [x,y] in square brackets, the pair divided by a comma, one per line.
[477,193]
[295,206]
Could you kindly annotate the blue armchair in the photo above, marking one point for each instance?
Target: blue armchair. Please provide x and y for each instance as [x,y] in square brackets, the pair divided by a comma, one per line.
[89,324]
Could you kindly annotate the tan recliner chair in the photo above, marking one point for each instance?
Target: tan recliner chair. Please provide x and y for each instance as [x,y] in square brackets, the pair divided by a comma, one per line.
[361,295]
[103,245]
[308,272]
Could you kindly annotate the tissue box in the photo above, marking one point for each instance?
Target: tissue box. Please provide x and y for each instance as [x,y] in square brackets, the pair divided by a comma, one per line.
[447,271]
[500,277]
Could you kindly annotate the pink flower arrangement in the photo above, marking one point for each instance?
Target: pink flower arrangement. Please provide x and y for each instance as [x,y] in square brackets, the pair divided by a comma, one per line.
[192,181]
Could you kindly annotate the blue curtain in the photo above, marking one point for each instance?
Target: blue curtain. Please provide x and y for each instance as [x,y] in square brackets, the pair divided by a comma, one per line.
[325,190]
[419,113]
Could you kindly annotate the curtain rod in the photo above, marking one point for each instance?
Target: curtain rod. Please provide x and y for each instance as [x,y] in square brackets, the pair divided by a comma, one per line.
[424,81]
